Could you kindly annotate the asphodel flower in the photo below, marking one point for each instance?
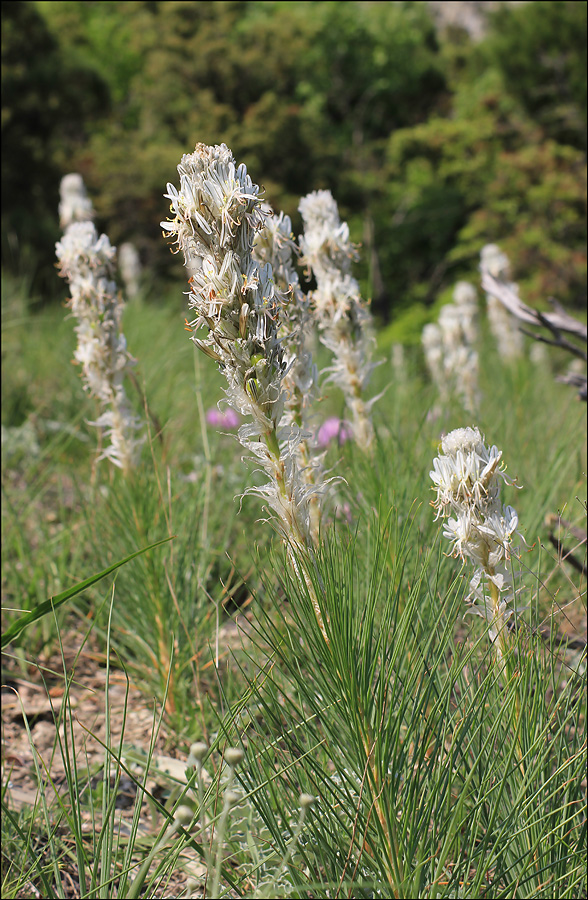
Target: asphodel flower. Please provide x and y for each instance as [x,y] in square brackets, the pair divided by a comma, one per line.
[274,245]
[74,203]
[467,477]
[448,346]
[504,327]
[87,261]
[216,216]
[343,318]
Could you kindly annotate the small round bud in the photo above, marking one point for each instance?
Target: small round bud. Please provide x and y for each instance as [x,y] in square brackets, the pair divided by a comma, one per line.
[306,801]
[183,815]
[234,756]
[199,750]
[232,798]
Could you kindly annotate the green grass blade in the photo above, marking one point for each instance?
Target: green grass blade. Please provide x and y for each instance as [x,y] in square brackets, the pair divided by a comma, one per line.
[54,602]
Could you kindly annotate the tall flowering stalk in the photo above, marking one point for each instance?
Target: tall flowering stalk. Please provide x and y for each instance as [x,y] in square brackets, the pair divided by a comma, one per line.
[344,320]
[74,203]
[465,298]
[509,338]
[216,216]
[88,261]
[432,341]
[449,350]
[467,477]
[274,245]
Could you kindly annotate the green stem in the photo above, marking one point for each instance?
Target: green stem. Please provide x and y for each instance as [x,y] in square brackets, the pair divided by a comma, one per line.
[220,836]
[502,641]
[504,652]
[301,540]
[394,875]
[207,457]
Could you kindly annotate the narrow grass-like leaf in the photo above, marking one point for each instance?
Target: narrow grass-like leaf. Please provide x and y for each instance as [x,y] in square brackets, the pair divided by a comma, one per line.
[53,603]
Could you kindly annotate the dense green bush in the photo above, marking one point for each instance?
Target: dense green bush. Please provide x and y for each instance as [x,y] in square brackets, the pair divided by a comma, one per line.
[432,146]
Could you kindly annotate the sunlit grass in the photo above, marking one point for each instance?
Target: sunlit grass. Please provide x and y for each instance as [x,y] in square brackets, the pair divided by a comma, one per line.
[433,775]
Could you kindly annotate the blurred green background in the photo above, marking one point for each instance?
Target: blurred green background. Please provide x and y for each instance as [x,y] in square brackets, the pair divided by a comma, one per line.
[432,143]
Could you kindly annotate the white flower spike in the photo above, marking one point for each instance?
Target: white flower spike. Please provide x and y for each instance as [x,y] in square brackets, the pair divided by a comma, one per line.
[217,218]
[467,477]
[87,261]
[343,318]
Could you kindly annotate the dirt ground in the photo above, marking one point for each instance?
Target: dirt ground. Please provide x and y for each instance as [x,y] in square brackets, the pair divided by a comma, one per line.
[35,723]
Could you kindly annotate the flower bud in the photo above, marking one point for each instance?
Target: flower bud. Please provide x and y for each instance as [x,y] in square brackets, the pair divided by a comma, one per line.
[199,750]
[183,815]
[233,756]
[232,798]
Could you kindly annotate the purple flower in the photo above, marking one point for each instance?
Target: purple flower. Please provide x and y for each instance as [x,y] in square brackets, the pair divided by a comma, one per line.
[331,429]
[218,419]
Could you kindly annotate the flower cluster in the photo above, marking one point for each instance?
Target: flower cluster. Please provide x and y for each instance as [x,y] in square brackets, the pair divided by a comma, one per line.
[274,245]
[448,347]
[87,261]
[344,320]
[467,477]
[74,203]
[509,338]
[216,215]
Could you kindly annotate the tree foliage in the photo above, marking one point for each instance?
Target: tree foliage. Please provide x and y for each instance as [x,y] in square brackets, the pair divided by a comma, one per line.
[430,145]
[541,51]
[48,101]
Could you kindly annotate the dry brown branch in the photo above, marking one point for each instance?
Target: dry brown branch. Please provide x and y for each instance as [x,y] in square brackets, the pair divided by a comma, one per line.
[555,322]
[554,522]
[567,555]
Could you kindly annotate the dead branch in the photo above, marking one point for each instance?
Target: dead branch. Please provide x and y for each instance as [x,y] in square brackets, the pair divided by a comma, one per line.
[554,521]
[555,322]
[567,555]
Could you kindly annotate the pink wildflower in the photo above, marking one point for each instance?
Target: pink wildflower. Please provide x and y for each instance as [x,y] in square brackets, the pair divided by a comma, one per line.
[333,428]
[218,419]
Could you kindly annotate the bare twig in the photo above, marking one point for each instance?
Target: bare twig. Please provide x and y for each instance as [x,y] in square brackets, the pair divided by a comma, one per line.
[577,380]
[554,521]
[555,322]
[567,555]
